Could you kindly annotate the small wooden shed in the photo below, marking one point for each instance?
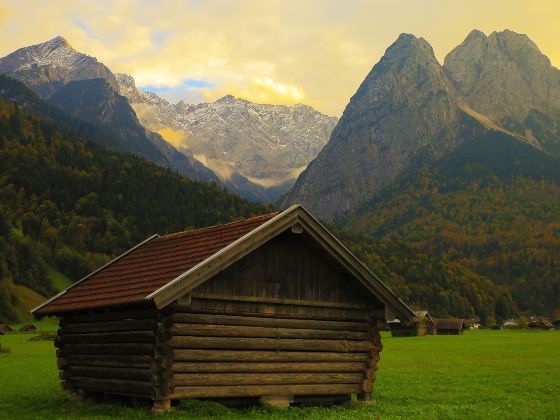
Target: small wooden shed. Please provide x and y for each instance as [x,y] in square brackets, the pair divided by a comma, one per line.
[423,324]
[28,328]
[5,328]
[271,307]
[448,326]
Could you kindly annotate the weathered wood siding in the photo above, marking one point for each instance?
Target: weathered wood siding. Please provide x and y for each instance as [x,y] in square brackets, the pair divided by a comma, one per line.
[289,267]
[285,320]
[248,355]
[123,352]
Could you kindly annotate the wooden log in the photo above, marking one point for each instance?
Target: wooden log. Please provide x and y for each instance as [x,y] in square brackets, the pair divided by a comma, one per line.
[267,367]
[112,373]
[189,355]
[161,406]
[148,336]
[192,379]
[116,386]
[107,360]
[221,307]
[208,330]
[109,326]
[269,300]
[131,314]
[120,349]
[261,390]
[262,321]
[231,343]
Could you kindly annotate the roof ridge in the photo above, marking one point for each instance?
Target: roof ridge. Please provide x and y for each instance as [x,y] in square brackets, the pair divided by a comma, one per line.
[189,231]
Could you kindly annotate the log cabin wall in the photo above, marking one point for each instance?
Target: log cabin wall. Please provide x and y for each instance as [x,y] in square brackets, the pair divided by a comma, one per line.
[122,352]
[285,320]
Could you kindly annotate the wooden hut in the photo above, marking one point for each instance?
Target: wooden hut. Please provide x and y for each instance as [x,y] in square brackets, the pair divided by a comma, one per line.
[28,328]
[272,307]
[448,326]
[5,328]
[422,324]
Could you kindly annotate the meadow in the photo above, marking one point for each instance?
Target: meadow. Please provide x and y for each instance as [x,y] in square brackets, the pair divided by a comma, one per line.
[483,374]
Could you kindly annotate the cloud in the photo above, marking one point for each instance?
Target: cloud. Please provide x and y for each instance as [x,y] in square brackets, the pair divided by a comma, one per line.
[282,51]
[175,137]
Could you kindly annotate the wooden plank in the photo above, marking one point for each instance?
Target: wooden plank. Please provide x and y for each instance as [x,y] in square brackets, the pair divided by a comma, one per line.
[260,321]
[122,349]
[117,386]
[270,367]
[111,373]
[269,300]
[209,330]
[192,379]
[109,326]
[260,390]
[148,336]
[232,343]
[265,356]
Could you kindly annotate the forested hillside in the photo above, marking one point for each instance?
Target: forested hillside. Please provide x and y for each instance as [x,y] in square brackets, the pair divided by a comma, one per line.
[493,208]
[71,204]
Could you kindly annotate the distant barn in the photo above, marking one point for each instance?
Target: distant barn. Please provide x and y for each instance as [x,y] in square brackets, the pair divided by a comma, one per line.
[5,328]
[423,324]
[272,307]
[448,326]
[539,325]
[28,328]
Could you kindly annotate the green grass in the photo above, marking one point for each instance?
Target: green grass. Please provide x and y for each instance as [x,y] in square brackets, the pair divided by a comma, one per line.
[483,374]
[58,279]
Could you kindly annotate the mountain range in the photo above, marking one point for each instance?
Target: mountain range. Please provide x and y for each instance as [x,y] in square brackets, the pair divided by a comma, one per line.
[256,149]
[410,110]
[84,88]
[443,178]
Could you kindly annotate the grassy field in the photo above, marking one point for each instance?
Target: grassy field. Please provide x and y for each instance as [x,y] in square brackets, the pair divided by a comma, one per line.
[483,374]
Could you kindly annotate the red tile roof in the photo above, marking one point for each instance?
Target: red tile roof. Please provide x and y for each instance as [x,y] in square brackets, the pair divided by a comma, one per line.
[132,277]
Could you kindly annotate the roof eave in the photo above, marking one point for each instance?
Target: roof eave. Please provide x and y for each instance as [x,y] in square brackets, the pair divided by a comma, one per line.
[198,274]
[42,305]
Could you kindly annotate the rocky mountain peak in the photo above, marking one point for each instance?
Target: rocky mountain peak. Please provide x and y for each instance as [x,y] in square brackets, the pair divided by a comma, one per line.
[227,99]
[48,66]
[126,80]
[59,42]
[404,111]
[508,79]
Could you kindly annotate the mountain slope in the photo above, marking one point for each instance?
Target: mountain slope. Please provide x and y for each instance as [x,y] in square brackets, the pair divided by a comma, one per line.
[410,111]
[48,66]
[85,88]
[404,112]
[492,205]
[257,148]
[70,205]
[506,77]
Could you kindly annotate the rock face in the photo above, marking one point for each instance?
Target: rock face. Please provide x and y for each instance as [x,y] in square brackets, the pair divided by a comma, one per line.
[86,89]
[506,77]
[48,66]
[258,149]
[404,111]
[410,110]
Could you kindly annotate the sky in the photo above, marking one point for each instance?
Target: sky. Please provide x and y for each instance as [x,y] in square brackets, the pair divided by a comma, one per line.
[315,52]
